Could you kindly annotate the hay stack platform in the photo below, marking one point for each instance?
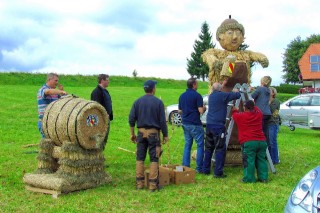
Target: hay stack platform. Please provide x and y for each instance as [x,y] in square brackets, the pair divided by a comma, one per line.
[70,156]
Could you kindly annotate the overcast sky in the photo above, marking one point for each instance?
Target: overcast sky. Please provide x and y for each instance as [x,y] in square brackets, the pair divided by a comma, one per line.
[154,37]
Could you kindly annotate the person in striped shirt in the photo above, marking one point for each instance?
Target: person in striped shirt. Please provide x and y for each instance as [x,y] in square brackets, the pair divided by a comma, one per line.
[47,94]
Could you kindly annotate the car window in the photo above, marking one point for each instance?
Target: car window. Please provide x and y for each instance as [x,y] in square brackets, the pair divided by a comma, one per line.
[315,101]
[300,101]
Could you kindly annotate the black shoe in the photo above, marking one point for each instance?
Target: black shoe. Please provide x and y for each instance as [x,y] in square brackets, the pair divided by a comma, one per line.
[263,181]
[220,176]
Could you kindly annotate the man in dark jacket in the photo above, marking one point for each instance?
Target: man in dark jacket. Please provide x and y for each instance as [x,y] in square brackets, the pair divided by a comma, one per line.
[101,95]
[147,113]
[216,130]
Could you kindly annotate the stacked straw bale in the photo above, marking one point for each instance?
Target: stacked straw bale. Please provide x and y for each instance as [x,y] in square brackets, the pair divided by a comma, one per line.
[71,156]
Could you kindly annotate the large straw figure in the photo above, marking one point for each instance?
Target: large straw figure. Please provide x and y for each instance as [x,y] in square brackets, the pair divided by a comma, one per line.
[231,65]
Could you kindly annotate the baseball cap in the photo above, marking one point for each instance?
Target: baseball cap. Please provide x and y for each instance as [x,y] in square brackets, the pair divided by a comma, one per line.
[149,84]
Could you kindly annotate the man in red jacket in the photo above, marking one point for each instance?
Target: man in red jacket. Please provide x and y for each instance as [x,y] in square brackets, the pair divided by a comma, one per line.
[252,141]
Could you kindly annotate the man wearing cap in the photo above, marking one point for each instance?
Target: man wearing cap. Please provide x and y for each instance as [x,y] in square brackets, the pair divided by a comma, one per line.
[253,142]
[101,95]
[216,130]
[191,107]
[148,113]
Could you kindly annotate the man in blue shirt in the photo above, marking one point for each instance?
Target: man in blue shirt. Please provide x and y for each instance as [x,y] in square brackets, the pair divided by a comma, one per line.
[47,94]
[216,130]
[191,107]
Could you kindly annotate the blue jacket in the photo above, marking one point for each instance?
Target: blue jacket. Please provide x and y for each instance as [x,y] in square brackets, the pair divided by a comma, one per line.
[261,98]
[218,104]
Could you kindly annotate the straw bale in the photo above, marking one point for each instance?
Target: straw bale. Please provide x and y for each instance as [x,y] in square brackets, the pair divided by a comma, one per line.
[45,167]
[76,120]
[81,156]
[42,156]
[233,157]
[66,183]
[234,147]
[46,145]
[56,152]
[80,163]
[64,169]
[44,164]
[45,181]
[96,178]
[74,152]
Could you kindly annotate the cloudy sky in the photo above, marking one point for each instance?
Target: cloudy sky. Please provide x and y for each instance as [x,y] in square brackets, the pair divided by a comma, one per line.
[153,37]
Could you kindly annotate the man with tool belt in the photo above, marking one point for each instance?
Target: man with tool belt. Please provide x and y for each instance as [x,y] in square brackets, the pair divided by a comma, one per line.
[216,130]
[148,113]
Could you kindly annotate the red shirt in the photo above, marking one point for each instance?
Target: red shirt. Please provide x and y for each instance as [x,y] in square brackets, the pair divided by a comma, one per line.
[249,125]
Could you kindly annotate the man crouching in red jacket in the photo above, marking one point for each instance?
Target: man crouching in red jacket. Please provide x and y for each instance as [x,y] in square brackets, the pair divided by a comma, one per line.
[252,141]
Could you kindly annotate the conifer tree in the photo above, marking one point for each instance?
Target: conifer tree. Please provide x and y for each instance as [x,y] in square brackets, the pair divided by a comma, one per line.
[195,65]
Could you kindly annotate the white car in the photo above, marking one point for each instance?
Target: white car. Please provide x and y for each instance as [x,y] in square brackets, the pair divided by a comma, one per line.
[302,109]
[174,117]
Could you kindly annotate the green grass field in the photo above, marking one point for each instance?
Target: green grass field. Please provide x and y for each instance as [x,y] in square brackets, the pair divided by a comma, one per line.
[299,153]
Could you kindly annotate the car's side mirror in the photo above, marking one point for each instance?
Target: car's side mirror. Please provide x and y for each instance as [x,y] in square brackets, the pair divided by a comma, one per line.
[288,104]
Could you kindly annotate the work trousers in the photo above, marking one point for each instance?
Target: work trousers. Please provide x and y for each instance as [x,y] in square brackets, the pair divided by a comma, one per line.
[254,157]
[151,143]
[214,144]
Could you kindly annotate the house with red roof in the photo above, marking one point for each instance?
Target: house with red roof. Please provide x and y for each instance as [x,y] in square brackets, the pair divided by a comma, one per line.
[309,65]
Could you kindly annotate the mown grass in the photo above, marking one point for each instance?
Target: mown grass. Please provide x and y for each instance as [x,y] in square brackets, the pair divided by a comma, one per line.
[18,115]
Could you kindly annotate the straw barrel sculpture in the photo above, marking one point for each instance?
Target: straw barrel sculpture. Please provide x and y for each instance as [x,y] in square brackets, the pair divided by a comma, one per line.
[71,156]
[76,120]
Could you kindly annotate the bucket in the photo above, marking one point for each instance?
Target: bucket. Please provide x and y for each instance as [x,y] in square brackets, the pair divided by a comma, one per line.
[75,120]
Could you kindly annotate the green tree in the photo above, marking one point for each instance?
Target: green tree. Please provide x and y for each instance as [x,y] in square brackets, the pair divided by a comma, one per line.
[195,65]
[293,54]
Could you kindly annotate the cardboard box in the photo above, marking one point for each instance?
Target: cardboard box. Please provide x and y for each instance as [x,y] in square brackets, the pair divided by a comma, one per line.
[181,174]
[164,176]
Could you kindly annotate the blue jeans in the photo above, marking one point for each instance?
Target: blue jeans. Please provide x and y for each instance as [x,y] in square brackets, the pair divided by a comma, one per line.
[193,132]
[40,128]
[273,144]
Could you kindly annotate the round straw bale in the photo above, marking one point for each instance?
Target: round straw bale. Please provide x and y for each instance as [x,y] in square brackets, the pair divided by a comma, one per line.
[76,120]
